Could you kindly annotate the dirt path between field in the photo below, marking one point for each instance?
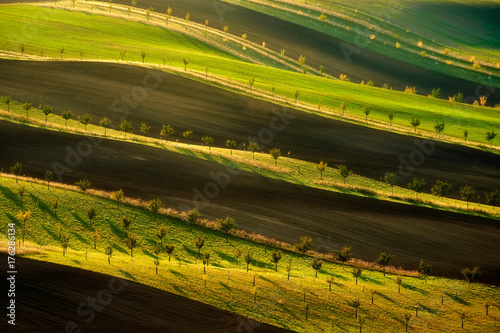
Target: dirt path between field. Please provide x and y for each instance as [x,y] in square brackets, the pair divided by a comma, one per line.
[48,296]
[285,211]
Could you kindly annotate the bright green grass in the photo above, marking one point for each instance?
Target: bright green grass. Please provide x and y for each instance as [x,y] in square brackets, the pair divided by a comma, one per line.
[458,117]
[278,301]
[264,165]
[384,42]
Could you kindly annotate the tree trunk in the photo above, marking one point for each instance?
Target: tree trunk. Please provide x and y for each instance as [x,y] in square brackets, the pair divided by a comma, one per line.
[108,261]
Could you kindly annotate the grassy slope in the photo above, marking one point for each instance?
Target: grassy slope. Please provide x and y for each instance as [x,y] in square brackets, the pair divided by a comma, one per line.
[362,26]
[263,164]
[458,117]
[279,302]
[443,20]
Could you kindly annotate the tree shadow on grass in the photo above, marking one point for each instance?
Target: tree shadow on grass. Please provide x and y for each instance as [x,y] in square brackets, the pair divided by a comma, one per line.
[179,290]
[80,238]
[416,289]
[51,232]
[457,298]
[9,194]
[127,275]
[226,257]
[191,252]
[120,249]
[177,274]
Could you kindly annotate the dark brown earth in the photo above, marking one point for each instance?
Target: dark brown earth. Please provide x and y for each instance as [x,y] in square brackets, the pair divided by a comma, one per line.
[48,296]
[102,89]
[285,211]
[318,48]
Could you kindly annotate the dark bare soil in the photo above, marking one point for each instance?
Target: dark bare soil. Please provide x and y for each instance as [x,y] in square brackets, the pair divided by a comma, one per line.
[103,89]
[285,211]
[48,296]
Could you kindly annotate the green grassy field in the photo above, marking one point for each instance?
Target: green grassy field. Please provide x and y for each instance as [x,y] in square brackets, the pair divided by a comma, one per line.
[228,285]
[287,168]
[227,70]
[362,26]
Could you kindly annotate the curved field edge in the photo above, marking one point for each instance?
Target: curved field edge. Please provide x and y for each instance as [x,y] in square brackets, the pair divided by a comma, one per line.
[274,299]
[363,31]
[319,95]
[264,165]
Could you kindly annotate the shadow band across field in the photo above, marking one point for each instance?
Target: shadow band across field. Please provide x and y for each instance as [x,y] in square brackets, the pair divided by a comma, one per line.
[282,210]
[102,90]
[48,295]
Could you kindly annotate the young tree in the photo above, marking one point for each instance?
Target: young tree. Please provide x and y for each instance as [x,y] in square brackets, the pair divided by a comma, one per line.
[7,100]
[187,17]
[21,191]
[399,281]
[436,92]
[472,275]
[188,135]
[275,154]
[85,120]
[253,147]
[391,179]
[492,198]
[169,249]
[343,255]
[161,232]
[321,168]
[126,127]
[296,95]
[440,189]
[248,259]
[126,222]
[407,320]
[166,131]
[95,237]
[343,172]
[288,269]
[463,316]
[304,245]
[415,123]
[226,225]
[62,51]
[16,170]
[417,185]
[199,243]
[383,260]
[23,218]
[143,55]
[106,123]
[48,176]
[192,217]
[91,214]
[144,128]
[316,265]
[148,14]
[424,269]
[391,117]
[330,280]
[185,64]
[342,108]
[157,250]
[366,111]
[131,242]
[251,81]
[231,144]
[490,136]
[356,272]
[117,196]
[66,116]
[109,252]
[209,141]
[167,16]
[439,128]
[206,261]
[466,134]
[55,205]
[372,293]
[27,108]
[487,305]
[64,240]
[466,193]
[84,185]
[275,258]
[123,52]
[154,206]
[46,111]
[356,304]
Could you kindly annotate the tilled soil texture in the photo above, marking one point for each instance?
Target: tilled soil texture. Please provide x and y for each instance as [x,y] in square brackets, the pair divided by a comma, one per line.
[49,298]
[336,55]
[273,208]
[117,91]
